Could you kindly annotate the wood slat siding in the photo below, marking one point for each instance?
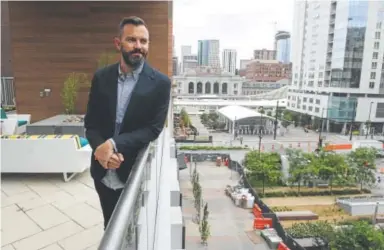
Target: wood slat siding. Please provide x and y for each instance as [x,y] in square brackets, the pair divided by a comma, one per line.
[6,58]
[52,39]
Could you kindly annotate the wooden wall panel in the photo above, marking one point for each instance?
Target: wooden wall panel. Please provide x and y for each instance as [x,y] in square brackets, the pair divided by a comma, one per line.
[6,55]
[52,39]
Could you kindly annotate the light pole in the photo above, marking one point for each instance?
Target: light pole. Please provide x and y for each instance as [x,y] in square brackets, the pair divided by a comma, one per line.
[369,121]
[260,134]
[321,129]
[275,122]
[352,121]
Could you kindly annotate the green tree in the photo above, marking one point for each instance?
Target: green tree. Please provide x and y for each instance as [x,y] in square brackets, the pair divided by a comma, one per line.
[264,166]
[269,113]
[321,231]
[330,166]
[300,168]
[362,165]
[185,118]
[204,118]
[204,227]
[360,236]
[70,90]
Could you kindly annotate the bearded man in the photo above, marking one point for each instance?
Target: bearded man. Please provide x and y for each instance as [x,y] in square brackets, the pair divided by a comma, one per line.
[127,107]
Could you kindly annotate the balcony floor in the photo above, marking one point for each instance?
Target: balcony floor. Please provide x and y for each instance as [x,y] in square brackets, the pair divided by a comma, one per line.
[231,226]
[43,212]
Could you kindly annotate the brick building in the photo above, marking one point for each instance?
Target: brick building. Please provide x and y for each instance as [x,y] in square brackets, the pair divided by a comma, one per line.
[267,71]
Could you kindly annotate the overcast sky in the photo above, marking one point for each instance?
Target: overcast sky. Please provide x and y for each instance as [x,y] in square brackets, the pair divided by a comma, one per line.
[243,25]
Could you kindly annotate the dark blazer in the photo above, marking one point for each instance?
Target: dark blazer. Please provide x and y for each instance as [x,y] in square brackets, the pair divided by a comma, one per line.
[143,121]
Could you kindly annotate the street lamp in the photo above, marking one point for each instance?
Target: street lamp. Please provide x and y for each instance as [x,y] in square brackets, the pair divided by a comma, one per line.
[275,122]
[260,134]
[353,120]
[369,121]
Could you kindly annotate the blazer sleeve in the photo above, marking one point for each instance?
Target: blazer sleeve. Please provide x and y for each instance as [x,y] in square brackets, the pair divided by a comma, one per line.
[92,116]
[140,137]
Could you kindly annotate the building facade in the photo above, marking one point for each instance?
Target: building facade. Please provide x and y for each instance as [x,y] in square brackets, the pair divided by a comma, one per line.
[229,61]
[193,83]
[208,53]
[69,37]
[337,56]
[255,88]
[267,71]
[189,63]
[283,46]
[175,66]
[264,54]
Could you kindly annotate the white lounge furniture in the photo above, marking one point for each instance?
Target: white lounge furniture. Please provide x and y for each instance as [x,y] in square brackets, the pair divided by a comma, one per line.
[44,154]
[13,123]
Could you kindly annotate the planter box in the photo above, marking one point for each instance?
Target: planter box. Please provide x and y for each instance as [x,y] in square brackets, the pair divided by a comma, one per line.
[57,125]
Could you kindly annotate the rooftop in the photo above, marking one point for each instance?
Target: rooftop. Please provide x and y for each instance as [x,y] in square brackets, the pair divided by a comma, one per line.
[43,212]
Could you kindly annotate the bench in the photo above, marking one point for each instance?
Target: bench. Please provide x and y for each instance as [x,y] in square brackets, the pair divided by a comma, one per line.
[13,123]
[67,154]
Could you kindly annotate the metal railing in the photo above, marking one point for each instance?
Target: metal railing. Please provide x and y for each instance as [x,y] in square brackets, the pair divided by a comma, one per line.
[7,91]
[122,230]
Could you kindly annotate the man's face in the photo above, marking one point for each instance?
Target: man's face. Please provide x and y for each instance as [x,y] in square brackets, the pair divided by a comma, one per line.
[133,44]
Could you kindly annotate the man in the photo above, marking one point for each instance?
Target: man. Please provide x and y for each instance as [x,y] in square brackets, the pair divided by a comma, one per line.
[127,107]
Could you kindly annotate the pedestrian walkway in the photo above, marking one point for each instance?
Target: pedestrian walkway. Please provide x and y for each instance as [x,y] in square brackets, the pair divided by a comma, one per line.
[196,122]
[231,227]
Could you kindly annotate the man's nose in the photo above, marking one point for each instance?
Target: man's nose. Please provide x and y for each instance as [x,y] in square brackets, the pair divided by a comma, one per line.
[137,44]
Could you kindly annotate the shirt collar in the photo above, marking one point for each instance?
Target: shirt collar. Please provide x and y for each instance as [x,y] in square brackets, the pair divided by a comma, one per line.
[135,74]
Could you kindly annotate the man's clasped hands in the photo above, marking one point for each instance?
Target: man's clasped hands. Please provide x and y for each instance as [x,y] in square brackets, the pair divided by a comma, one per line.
[107,157]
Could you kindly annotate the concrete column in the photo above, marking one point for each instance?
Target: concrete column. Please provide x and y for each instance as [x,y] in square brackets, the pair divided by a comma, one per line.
[327,126]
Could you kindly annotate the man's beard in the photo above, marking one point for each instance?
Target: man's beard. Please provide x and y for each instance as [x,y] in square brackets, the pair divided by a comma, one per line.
[131,60]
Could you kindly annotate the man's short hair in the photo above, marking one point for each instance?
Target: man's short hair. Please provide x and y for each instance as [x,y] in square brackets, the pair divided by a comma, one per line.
[134,20]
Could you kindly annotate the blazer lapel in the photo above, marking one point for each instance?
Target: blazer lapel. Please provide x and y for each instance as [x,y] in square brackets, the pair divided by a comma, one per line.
[112,89]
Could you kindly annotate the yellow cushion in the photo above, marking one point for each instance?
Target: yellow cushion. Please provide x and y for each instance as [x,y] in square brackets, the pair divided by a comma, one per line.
[76,137]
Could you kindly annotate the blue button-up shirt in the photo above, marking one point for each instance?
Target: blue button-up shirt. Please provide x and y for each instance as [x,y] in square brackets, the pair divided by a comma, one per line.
[125,86]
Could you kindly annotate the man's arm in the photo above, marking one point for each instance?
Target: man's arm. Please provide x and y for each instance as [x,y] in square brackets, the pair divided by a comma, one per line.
[141,137]
[92,117]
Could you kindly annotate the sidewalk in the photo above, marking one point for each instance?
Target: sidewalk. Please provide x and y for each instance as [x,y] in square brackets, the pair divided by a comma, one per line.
[231,227]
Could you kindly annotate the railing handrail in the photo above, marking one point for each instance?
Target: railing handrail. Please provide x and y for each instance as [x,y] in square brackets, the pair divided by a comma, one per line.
[114,234]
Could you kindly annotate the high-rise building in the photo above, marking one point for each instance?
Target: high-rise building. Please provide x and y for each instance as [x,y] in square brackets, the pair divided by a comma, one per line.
[186,50]
[189,62]
[229,61]
[283,46]
[175,66]
[208,53]
[338,71]
[264,54]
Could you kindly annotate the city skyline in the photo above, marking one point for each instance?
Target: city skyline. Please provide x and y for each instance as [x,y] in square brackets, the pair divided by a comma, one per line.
[254,27]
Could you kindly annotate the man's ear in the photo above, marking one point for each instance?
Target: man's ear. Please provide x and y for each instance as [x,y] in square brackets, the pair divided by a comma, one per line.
[117,43]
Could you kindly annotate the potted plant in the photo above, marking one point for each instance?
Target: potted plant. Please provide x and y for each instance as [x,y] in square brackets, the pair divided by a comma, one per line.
[70,89]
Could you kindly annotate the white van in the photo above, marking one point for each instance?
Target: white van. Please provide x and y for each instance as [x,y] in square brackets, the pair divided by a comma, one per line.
[369,144]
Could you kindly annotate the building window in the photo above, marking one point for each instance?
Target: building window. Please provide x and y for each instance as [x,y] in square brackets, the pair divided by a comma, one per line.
[373,75]
[378,25]
[191,88]
[305,99]
[310,108]
[310,100]
[375,55]
[380,110]
[320,83]
[304,107]
[371,85]
[376,45]
[320,74]
[377,35]
[374,65]
[317,101]
[317,110]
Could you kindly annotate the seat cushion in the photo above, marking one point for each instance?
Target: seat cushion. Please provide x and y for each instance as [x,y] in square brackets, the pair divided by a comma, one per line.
[21,122]
[3,115]
[83,142]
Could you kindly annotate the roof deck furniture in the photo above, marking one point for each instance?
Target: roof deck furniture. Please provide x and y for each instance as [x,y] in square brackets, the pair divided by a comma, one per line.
[59,124]
[66,154]
[13,123]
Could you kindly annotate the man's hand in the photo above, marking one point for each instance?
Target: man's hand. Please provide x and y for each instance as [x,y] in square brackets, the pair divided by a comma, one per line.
[103,153]
[115,161]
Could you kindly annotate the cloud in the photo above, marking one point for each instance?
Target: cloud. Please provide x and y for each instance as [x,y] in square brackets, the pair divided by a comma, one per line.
[244,25]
